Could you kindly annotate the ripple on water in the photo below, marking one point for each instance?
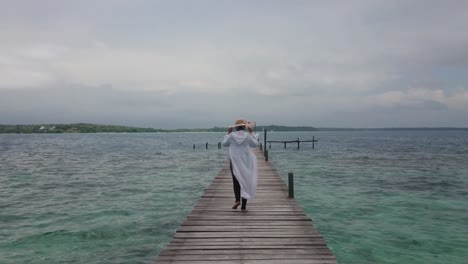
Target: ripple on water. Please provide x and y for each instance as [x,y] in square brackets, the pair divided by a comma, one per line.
[377,197]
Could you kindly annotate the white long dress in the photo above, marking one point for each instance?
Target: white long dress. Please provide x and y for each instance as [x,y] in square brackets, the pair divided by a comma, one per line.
[244,162]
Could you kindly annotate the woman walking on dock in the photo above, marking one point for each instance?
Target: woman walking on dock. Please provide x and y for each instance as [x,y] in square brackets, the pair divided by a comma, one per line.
[243,161]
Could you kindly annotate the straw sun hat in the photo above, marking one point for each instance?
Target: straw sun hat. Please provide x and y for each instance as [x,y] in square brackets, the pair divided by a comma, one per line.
[243,122]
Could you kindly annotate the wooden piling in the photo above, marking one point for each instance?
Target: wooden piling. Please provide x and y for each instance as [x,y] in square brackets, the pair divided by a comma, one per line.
[291,184]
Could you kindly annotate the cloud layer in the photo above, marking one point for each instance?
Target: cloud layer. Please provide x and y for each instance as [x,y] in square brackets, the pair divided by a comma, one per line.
[186,64]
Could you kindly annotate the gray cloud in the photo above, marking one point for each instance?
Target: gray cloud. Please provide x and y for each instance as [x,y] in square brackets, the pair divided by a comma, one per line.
[186,64]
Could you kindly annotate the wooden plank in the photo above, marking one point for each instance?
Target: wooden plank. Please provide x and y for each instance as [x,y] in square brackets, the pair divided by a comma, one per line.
[269,256]
[253,213]
[256,261]
[296,251]
[246,223]
[257,244]
[241,234]
[237,228]
[251,218]
[247,240]
[274,229]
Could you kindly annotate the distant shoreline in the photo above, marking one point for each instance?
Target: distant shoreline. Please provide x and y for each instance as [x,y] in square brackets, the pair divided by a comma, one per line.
[96,128]
[393,129]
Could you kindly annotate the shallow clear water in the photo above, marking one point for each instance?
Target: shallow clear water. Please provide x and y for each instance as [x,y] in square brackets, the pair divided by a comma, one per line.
[377,197]
[384,197]
[100,198]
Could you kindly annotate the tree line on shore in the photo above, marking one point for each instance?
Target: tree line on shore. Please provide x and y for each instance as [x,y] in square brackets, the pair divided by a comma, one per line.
[72,128]
[95,128]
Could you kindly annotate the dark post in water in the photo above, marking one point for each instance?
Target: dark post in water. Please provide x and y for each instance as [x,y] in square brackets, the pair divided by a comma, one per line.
[265,141]
[266,155]
[206,146]
[291,184]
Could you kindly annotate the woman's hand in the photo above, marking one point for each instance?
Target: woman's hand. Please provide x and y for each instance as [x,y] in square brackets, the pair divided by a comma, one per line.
[250,130]
[229,130]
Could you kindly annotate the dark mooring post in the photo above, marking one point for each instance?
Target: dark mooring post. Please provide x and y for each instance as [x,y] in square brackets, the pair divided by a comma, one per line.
[284,144]
[313,142]
[219,145]
[269,146]
[193,146]
[261,148]
[265,142]
[206,146]
[266,155]
[291,184]
[298,143]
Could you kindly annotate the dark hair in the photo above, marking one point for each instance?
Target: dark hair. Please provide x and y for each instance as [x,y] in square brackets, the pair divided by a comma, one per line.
[240,128]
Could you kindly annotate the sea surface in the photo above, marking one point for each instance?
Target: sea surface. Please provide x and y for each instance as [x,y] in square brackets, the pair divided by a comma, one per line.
[375,196]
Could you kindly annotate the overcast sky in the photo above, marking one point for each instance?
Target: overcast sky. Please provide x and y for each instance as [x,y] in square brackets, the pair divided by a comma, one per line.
[173,64]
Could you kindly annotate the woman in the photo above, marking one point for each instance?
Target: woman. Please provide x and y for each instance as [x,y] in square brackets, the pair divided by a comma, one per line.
[243,161]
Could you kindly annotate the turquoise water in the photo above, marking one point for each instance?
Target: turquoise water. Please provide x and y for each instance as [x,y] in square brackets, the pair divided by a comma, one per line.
[377,197]
[384,197]
[98,198]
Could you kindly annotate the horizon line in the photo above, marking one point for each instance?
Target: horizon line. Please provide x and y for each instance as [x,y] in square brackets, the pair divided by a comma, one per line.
[286,126]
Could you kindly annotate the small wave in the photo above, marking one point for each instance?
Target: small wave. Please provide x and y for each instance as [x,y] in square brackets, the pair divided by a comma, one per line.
[132,190]
[423,184]
[11,218]
[8,205]
[465,151]
[363,157]
[20,185]
[53,237]
[49,186]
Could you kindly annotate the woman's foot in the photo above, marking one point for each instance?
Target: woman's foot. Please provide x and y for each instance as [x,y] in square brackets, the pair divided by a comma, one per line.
[244,204]
[236,204]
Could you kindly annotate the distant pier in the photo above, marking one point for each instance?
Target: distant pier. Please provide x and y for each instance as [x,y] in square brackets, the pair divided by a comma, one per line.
[274,230]
[298,142]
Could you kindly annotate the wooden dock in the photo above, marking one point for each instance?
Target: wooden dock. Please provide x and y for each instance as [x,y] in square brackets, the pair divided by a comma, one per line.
[274,229]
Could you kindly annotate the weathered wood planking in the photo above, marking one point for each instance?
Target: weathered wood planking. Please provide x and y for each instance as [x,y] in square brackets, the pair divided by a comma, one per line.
[274,230]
